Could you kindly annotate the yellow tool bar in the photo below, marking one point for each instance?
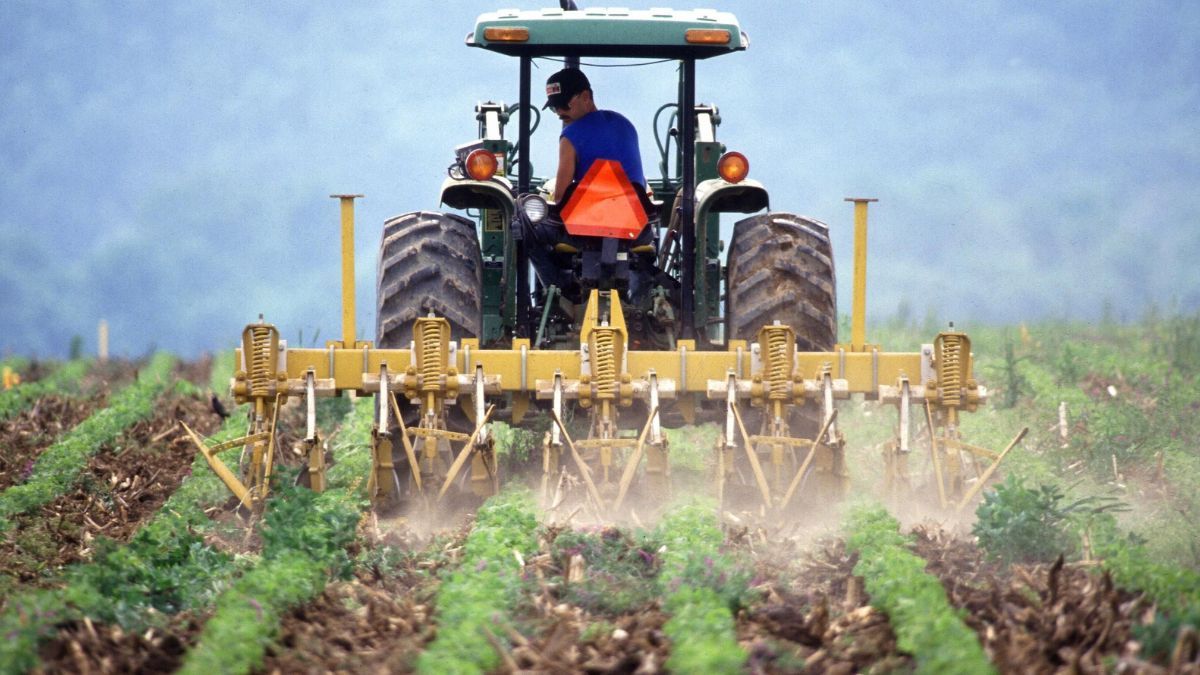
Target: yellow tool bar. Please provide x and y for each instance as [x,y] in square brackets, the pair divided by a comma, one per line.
[520,368]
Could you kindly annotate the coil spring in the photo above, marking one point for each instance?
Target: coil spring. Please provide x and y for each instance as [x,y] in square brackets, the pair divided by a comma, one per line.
[604,363]
[431,347]
[260,371]
[778,366]
[950,369]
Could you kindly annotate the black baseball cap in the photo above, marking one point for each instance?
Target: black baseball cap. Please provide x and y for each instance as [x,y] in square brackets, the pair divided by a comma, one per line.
[563,86]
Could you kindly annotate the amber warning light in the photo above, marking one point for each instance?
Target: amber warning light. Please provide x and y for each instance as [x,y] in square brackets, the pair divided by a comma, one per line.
[707,36]
[506,34]
[481,164]
[733,167]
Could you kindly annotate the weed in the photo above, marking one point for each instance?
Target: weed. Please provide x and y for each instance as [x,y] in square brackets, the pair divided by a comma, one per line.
[1016,523]
[621,571]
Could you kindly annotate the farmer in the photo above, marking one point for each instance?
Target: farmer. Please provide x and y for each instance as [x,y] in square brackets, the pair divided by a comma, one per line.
[588,133]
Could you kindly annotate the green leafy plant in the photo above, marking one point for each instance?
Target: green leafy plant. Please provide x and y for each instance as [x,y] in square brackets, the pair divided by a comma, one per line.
[926,625]
[480,591]
[166,567]
[305,536]
[65,378]
[1015,523]
[622,570]
[702,588]
[1014,382]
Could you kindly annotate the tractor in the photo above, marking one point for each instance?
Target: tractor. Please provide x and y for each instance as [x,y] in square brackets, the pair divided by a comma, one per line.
[468,331]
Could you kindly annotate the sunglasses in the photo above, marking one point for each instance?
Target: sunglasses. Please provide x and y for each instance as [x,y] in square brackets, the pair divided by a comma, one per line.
[567,105]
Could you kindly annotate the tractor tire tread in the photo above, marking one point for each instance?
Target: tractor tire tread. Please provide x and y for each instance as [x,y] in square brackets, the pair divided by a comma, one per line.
[781,268]
[428,262]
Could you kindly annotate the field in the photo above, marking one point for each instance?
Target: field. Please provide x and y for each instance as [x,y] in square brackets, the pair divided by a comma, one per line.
[119,551]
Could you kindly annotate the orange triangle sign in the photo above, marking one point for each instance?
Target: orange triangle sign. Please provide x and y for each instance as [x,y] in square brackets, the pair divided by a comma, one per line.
[604,204]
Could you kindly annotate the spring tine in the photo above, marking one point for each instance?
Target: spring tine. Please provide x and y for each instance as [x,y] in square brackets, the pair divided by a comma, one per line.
[990,470]
[413,464]
[812,452]
[634,459]
[933,448]
[464,453]
[753,457]
[580,464]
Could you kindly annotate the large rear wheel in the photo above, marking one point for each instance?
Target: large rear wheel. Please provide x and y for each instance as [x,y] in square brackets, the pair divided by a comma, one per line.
[428,262]
[781,269]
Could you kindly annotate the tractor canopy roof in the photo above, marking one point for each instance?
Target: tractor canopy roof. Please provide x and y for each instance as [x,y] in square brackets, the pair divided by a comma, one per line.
[598,31]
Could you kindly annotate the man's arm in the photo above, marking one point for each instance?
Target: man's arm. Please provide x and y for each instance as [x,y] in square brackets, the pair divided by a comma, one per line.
[566,168]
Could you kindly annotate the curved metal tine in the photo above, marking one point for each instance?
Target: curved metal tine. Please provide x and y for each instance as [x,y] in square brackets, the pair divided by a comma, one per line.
[269,459]
[933,448]
[468,447]
[632,464]
[905,404]
[584,471]
[812,452]
[990,470]
[752,456]
[413,464]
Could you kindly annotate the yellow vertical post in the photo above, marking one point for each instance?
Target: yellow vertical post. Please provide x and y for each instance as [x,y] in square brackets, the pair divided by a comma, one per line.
[349,338]
[858,316]
[102,341]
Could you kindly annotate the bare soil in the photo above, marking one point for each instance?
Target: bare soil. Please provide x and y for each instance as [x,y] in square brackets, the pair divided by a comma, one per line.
[811,613]
[121,488]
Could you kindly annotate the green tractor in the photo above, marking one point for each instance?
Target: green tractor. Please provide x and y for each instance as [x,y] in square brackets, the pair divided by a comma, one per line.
[474,270]
[476,324]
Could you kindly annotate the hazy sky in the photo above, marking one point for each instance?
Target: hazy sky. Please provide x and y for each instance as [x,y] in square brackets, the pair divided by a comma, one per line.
[167,166]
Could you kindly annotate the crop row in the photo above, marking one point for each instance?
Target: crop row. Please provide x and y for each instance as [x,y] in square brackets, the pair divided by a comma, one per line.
[165,568]
[57,469]
[701,586]
[64,378]
[926,625]
[1175,591]
[484,586]
[305,536]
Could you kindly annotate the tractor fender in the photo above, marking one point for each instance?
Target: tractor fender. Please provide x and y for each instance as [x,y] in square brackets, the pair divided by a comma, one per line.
[716,195]
[464,193]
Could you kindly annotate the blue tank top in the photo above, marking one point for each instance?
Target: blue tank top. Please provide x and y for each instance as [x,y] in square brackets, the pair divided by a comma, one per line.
[605,134]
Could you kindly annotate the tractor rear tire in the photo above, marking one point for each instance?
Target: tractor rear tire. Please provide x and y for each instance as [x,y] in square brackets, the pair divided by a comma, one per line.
[781,269]
[428,262]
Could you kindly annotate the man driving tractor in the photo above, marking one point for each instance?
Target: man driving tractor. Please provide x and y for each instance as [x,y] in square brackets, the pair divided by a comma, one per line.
[589,135]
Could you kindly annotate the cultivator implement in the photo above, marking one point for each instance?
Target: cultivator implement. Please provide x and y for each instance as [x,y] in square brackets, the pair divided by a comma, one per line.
[623,394]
